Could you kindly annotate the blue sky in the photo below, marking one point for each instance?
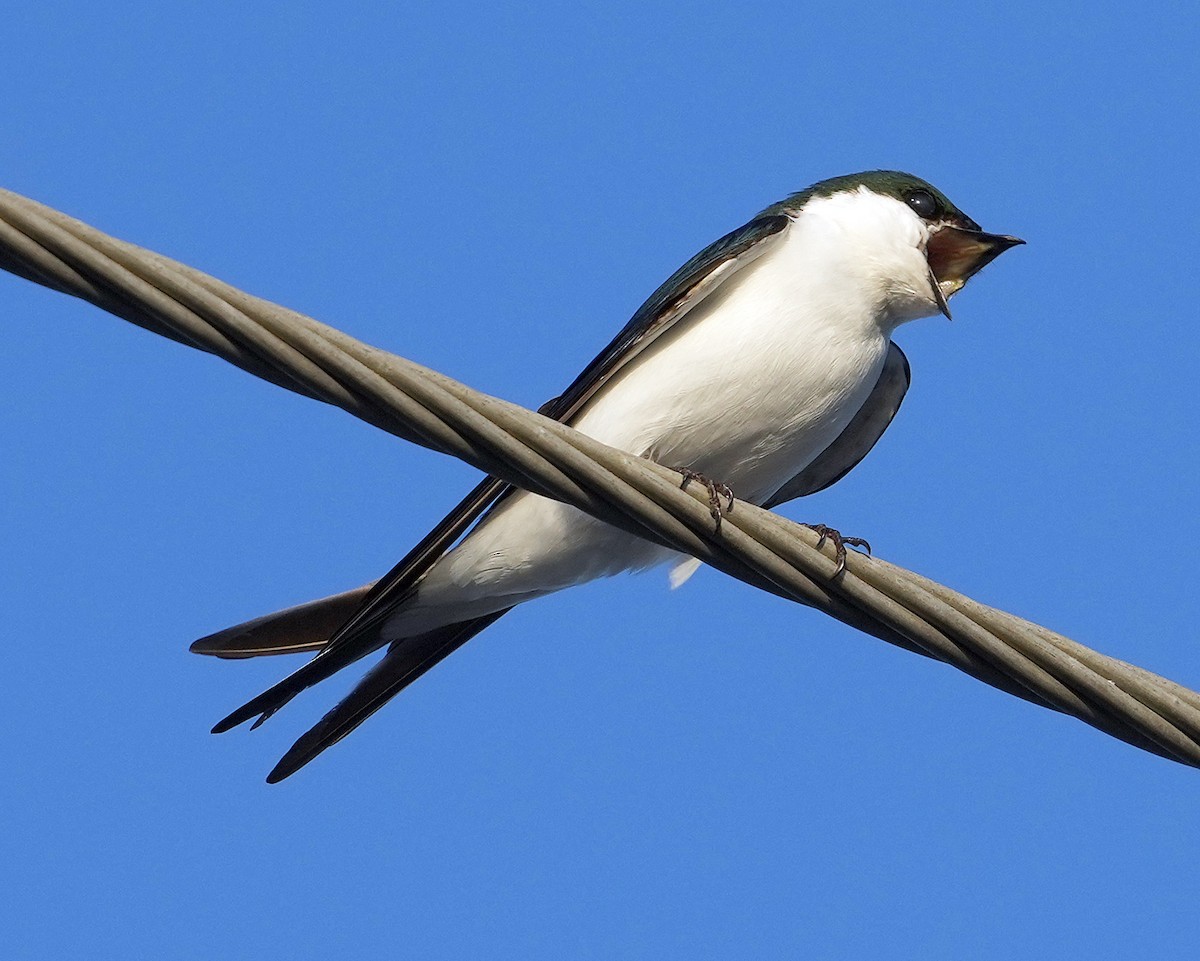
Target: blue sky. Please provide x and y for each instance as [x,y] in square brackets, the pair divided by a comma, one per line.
[619,771]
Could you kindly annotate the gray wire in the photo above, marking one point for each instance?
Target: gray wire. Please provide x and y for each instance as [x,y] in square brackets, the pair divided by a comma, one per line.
[531,451]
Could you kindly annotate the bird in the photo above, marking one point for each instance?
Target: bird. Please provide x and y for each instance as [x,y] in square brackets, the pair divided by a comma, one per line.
[764,367]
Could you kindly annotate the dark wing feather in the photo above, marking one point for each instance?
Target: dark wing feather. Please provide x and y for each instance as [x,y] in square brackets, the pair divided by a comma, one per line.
[860,435]
[678,294]
[350,641]
[405,661]
[359,635]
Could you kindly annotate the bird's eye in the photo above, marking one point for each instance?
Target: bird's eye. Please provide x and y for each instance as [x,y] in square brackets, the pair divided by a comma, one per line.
[923,203]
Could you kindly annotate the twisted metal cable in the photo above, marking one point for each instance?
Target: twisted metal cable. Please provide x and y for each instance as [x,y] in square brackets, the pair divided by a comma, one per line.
[542,455]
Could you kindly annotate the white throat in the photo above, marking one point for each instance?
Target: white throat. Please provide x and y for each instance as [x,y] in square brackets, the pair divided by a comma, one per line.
[869,253]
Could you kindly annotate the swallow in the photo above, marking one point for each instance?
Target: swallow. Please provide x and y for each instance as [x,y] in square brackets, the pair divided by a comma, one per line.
[765,362]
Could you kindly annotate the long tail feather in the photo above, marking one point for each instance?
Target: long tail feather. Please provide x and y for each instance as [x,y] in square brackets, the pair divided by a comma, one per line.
[327,663]
[404,662]
[358,633]
[305,627]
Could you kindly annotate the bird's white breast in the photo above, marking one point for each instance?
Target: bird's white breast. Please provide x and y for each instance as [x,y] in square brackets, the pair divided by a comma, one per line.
[755,381]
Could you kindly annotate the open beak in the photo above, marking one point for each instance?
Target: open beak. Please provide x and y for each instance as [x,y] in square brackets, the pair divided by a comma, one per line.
[956,254]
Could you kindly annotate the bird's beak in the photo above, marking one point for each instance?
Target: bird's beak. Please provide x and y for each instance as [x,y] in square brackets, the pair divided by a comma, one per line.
[956,254]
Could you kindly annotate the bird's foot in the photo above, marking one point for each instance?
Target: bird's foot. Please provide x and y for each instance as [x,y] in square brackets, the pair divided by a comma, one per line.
[716,491]
[839,542]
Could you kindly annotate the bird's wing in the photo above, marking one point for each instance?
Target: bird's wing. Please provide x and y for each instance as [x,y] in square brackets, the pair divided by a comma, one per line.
[679,293]
[359,635]
[860,435]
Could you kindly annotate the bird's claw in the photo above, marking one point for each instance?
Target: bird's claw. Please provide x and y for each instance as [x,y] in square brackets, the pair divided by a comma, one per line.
[716,491]
[839,542]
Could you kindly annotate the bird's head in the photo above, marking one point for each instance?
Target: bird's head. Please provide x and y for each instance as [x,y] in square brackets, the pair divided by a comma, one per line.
[903,233]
